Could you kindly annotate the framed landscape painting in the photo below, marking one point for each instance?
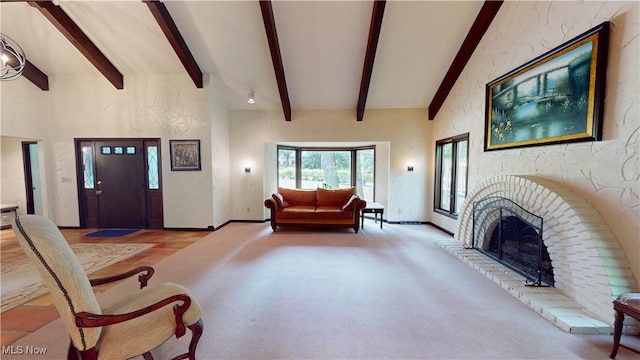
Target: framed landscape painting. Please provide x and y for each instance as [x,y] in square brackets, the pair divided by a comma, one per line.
[185,155]
[555,98]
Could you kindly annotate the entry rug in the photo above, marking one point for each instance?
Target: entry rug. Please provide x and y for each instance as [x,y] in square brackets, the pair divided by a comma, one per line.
[111,232]
[21,282]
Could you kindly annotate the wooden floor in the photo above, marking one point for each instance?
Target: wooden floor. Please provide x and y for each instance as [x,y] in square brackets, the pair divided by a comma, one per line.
[22,320]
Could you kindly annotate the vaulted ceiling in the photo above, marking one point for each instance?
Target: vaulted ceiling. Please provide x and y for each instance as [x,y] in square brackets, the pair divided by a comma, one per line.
[295,55]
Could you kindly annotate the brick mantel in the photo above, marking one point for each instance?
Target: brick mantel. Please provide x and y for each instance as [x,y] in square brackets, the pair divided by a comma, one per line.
[589,265]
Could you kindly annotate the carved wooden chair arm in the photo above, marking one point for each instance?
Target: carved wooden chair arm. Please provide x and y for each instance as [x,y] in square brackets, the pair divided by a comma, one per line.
[142,278]
[85,319]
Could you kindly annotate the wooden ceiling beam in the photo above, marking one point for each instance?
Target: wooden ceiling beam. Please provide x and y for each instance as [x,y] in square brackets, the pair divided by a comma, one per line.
[170,30]
[276,56]
[80,40]
[480,25]
[37,77]
[370,55]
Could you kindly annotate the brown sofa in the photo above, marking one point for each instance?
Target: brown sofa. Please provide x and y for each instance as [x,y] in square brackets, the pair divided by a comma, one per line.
[318,208]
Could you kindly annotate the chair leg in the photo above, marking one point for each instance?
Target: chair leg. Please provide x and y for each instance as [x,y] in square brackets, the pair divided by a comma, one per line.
[196,330]
[617,333]
[147,356]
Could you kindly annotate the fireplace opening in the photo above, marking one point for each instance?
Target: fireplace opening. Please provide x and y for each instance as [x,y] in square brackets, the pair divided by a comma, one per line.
[515,243]
[511,235]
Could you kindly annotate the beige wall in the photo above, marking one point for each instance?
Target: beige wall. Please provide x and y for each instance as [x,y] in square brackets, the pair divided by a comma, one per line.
[400,136]
[166,107]
[606,173]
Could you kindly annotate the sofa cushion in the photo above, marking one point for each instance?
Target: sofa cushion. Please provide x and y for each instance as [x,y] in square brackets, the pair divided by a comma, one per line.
[297,212]
[332,212]
[337,197]
[298,197]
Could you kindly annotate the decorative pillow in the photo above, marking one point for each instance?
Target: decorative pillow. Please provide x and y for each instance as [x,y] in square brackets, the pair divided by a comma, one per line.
[279,201]
[350,204]
[337,197]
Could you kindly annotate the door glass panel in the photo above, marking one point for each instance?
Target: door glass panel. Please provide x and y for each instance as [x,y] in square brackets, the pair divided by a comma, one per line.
[87,165]
[445,177]
[461,174]
[105,150]
[287,168]
[152,162]
[365,174]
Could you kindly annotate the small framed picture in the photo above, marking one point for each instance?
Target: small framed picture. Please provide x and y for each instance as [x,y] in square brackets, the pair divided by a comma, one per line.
[185,155]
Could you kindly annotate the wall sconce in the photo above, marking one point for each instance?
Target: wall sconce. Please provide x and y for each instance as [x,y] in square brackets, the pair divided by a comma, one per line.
[247,169]
[252,98]
[409,167]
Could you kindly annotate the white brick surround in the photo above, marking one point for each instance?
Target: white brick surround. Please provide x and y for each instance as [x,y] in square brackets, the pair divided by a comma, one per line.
[589,265]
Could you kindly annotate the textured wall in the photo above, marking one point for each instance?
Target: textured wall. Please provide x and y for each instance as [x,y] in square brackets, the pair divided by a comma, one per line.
[166,107]
[605,173]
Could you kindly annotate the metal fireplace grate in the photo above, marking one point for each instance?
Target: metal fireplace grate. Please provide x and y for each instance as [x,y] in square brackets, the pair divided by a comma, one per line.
[511,235]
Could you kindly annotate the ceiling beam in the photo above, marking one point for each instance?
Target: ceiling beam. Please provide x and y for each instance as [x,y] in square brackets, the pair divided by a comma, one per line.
[170,30]
[480,25]
[370,55]
[276,56]
[80,40]
[37,77]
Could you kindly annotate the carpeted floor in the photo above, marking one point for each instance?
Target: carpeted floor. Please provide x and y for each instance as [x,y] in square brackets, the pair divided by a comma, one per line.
[387,293]
[21,281]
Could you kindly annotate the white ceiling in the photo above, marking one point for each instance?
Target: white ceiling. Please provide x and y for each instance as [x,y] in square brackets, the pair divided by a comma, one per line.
[322,43]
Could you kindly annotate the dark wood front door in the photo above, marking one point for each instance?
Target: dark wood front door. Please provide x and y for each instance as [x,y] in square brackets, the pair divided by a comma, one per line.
[116,189]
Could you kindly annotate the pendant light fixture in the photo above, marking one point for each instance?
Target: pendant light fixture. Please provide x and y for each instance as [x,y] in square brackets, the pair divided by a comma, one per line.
[13,58]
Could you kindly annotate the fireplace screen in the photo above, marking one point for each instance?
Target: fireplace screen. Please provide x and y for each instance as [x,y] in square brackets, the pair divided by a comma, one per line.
[511,235]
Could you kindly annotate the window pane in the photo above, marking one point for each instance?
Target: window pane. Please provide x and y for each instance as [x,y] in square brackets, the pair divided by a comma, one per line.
[461,174]
[287,168]
[87,165]
[365,174]
[118,150]
[326,169]
[445,177]
[152,162]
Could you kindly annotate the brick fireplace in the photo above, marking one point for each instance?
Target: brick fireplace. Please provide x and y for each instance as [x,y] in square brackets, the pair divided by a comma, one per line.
[589,266]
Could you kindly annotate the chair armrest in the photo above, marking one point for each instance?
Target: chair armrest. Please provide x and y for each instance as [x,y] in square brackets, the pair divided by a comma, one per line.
[142,278]
[88,320]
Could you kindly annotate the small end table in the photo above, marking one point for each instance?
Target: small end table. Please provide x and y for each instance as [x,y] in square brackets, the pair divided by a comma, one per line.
[625,304]
[375,209]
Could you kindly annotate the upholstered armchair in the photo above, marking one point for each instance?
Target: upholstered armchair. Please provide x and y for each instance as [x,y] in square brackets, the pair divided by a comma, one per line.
[132,326]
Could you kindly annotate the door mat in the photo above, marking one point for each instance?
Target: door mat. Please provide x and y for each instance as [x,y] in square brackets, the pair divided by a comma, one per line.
[21,281]
[111,232]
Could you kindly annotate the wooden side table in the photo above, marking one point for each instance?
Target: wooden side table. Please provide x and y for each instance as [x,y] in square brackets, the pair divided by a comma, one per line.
[8,214]
[375,209]
[625,304]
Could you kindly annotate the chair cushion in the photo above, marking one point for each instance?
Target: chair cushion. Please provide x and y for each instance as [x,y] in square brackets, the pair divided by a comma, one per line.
[624,298]
[61,272]
[137,336]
